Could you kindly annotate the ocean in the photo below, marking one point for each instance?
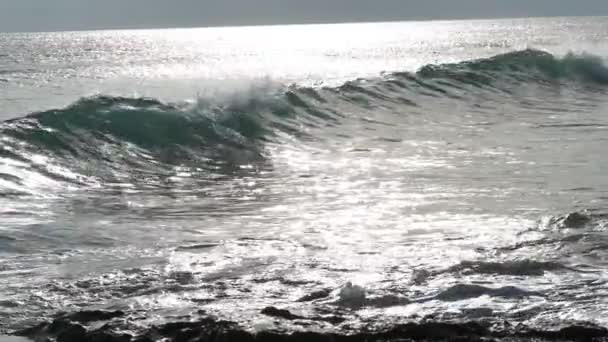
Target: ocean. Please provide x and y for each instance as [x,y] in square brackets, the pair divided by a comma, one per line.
[424,180]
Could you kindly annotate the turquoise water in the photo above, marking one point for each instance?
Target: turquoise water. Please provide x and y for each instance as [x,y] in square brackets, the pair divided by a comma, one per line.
[452,169]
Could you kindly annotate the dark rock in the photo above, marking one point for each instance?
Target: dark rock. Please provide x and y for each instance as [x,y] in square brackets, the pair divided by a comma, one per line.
[330,319]
[311,336]
[586,332]
[285,314]
[58,326]
[238,335]
[187,334]
[315,295]
[212,330]
[180,331]
[144,339]
[575,220]
[467,291]
[93,316]
[183,278]
[206,329]
[435,330]
[387,301]
[72,333]
[32,331]
[107,336]
[195,247]
[572,333]
[517,267]
[269,336]
[290,282]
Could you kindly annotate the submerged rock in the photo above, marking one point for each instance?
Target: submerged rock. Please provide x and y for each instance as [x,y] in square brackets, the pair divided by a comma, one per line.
[315,295]
[94,315]
[352,295]
[510,267]
[571,333]
[274,312]
[575,220]
[467,291]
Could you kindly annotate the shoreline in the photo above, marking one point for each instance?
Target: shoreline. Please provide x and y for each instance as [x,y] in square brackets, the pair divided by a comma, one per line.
[110,326]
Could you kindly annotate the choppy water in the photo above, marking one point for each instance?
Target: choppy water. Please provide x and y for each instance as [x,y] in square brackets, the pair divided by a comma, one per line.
[380,172]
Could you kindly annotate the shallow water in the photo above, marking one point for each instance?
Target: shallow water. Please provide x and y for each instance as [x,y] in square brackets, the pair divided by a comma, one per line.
[377,172]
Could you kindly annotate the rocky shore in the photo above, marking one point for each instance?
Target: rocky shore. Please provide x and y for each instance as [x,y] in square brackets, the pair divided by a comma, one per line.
[115,326]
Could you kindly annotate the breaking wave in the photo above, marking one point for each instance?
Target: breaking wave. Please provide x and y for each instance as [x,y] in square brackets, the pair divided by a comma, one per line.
[106,139]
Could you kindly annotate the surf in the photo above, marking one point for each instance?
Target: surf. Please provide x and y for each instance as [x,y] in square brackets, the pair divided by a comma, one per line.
[107,139]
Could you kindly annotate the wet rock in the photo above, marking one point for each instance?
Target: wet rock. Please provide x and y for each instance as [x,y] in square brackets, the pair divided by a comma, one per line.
[238,335]
[352,295]
[575,220]
[585,332]
[108,336]
[62,329]
[335,320]
[436,330]
[420,276]
[176,328]
[478,312]
[144,339]
[31,331]
[213,330]
[182,278]
[467,291]
[290,282]
[572,333]
[311,336]
[72,333]
[10,303]
[197,247]
[207,329]
[387,301]
[315,295]
[56,326]
[270,336]
[514,292]
[94,315]
[515,267]
[285,314]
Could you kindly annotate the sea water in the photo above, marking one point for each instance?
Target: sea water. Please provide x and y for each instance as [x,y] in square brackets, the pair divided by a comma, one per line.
[382,172]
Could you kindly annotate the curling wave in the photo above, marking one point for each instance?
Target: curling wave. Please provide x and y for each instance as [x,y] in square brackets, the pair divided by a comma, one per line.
[104,137]
[527,65]
[109,139]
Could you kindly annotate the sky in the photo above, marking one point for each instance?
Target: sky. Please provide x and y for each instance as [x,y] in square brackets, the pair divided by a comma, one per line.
[57,15]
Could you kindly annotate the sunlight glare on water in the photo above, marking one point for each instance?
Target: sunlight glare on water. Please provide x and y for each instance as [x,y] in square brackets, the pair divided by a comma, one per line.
[186,172]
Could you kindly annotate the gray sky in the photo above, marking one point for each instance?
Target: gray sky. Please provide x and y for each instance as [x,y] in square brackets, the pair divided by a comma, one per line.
[45,15]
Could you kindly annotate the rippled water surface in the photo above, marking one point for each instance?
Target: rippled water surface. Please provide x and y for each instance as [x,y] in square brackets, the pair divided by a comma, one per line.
[375,172]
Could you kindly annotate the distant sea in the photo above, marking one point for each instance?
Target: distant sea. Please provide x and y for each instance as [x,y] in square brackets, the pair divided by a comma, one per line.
[389,180]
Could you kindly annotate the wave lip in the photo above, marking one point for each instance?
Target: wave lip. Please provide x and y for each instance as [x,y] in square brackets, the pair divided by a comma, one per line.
[107,139]
[147,123]
[525,65]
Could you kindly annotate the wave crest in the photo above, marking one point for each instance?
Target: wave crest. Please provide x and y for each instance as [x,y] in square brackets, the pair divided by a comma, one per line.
[110,138]
[526,65]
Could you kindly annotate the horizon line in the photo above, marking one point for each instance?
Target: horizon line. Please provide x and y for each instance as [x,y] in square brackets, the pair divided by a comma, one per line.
[246,25]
